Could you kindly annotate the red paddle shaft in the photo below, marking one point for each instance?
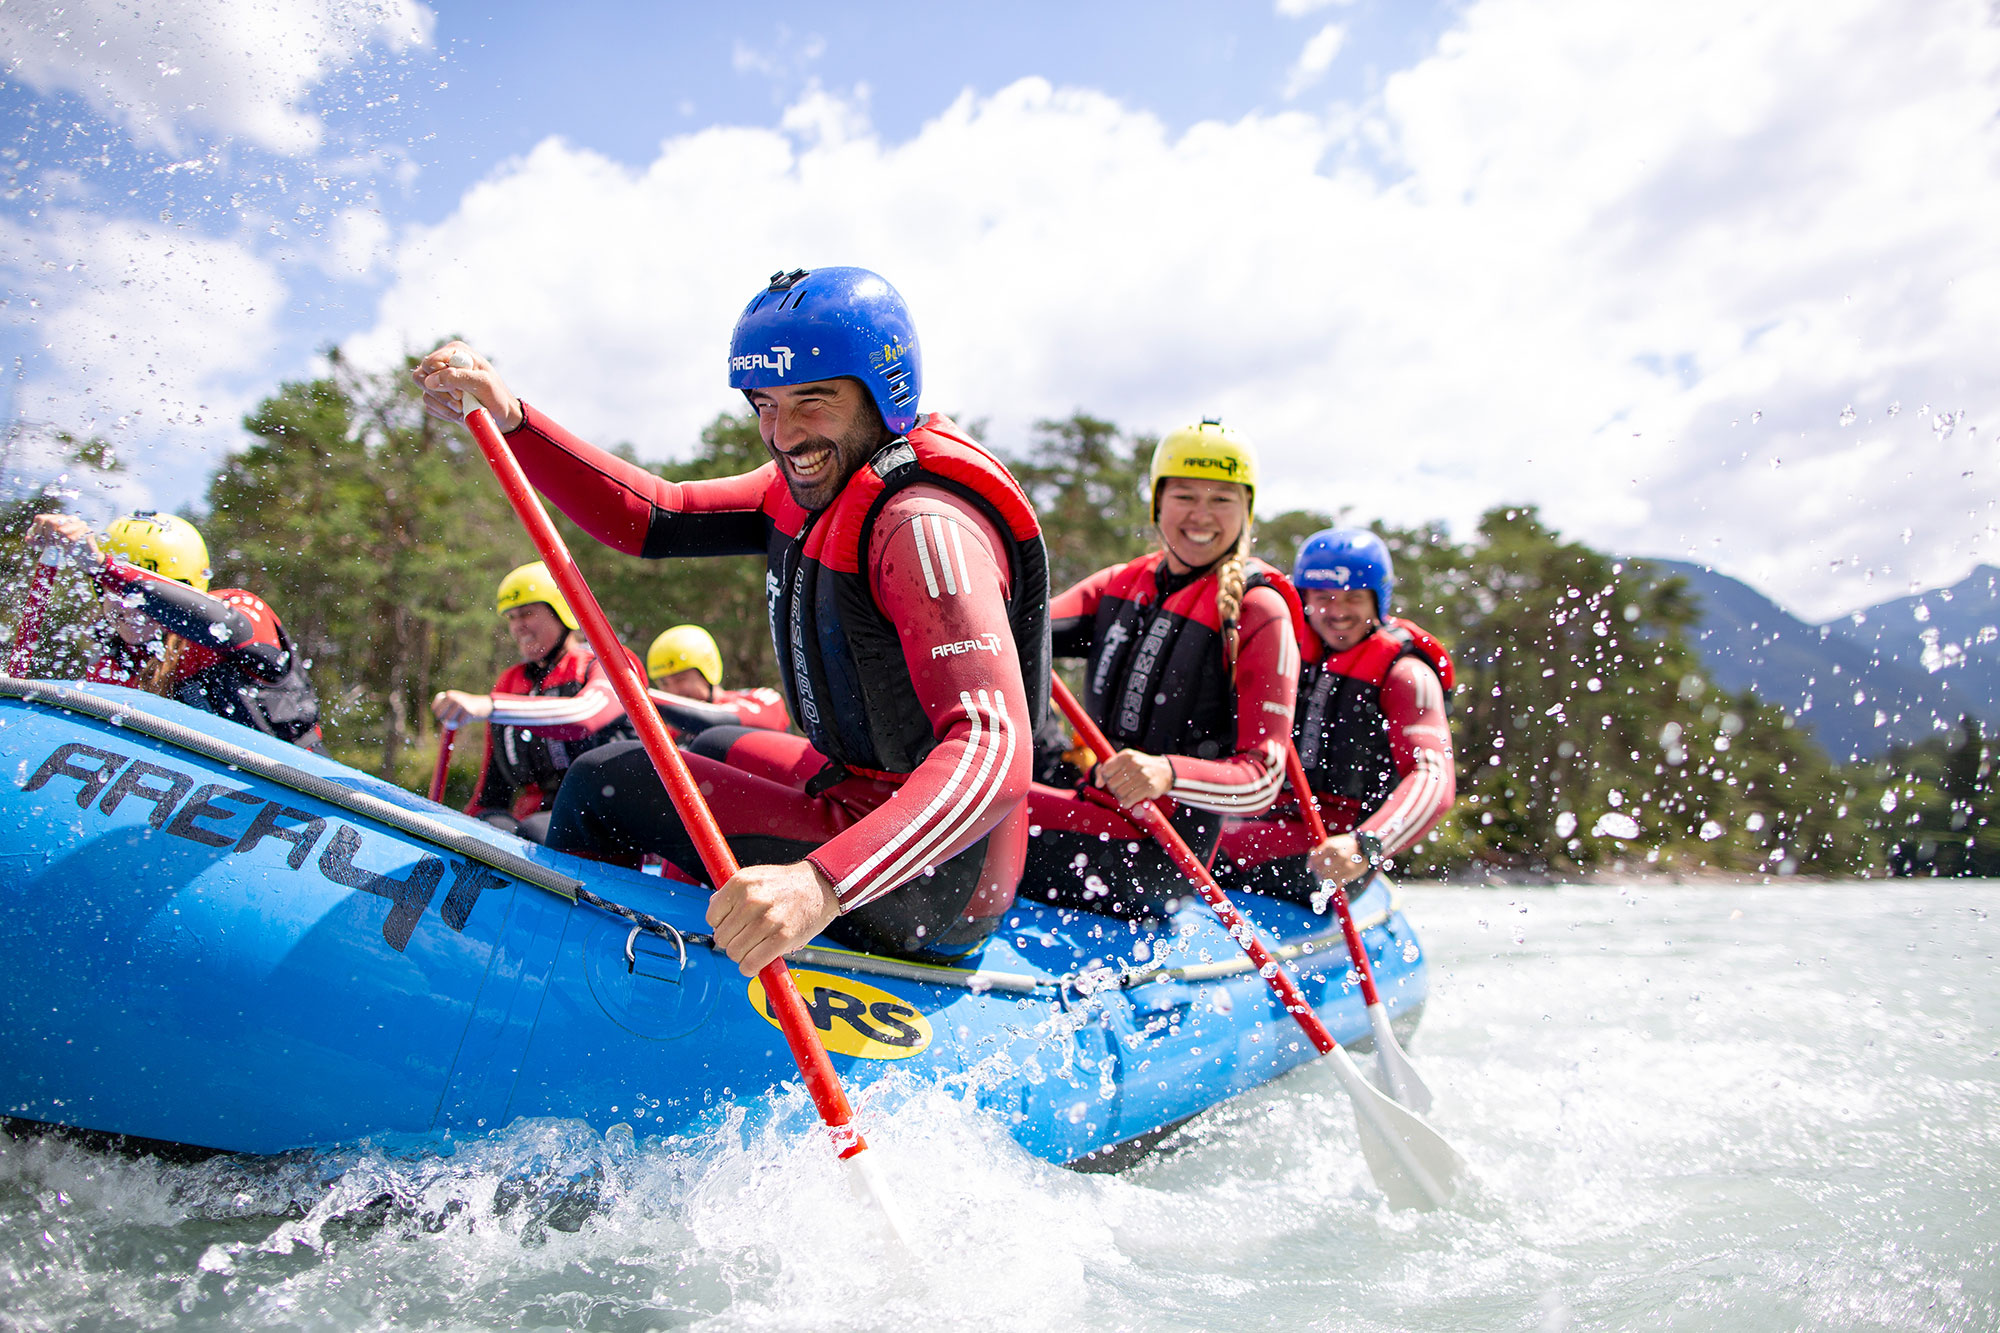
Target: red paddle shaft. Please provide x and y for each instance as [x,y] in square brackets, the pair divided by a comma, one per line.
[1295,771]
[29,631]
[1155,822]
[438,774]
[779,991]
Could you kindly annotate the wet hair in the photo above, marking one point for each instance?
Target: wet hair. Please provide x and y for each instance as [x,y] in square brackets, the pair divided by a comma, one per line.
[157,675]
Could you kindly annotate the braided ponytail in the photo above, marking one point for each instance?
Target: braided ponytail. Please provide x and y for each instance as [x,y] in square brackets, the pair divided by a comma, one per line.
[1229,580]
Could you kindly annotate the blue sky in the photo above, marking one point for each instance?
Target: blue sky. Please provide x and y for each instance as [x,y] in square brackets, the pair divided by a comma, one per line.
[1718,282]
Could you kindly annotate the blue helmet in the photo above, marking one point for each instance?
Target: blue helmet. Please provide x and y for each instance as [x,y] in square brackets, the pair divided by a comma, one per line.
[829,323]
[1347,558]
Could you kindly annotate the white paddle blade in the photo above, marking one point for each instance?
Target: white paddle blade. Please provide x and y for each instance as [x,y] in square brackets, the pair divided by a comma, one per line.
[1410,1161]
[866,1184]
[1399,1075]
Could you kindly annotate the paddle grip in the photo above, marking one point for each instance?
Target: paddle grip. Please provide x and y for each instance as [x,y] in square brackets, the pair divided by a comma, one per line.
[780,991]
[442,769]
[1154,820]
[1295,772]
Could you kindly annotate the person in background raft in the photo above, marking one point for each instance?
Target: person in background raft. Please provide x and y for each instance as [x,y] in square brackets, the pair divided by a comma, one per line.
[1191,663]
[908,595]
[222,651]
[685,667]
[544,711]
[1371,730]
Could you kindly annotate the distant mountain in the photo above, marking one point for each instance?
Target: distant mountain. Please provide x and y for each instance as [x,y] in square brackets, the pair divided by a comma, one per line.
[1952,632]
[1897,672]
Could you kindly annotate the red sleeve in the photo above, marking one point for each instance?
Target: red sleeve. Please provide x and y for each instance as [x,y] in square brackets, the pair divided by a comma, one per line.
[1420,739]
[939,575]
[591,709]
[628,508]
[730,708]
[1267,687]
[1073,614]
[758,707]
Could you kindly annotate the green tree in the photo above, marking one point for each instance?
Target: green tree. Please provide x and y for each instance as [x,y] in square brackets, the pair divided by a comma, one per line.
[724,594]
[1587,733]
[376,534]
[1087,482]
[1938,806]
[70,622]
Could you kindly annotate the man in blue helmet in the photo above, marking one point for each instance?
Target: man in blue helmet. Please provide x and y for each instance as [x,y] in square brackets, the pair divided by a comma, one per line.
[908,598]
[1370,727]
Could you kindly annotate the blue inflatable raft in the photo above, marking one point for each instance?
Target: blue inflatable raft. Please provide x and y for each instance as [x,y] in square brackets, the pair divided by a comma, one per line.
[215,940]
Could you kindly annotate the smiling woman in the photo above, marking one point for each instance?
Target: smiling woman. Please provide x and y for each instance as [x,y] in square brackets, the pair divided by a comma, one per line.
[1192,664]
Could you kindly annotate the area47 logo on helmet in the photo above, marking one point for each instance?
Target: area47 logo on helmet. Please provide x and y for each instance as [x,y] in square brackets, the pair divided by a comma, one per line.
[778,359]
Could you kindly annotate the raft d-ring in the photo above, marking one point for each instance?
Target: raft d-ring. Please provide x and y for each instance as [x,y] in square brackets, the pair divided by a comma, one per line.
[631,939]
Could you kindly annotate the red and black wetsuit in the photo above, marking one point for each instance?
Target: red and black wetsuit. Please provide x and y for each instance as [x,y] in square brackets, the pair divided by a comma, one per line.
[1156,680]
[234,658]
[1376,746]
[910,618]
[760,708]
[545,714]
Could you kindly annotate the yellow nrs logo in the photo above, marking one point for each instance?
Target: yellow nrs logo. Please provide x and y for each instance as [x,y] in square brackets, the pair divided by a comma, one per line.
[853,1017]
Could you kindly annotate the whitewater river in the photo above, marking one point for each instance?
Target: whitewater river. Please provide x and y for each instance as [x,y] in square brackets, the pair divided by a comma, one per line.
[1713,1108]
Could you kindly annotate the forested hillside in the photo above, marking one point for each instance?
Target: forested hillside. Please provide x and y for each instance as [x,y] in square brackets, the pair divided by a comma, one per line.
[1589,734]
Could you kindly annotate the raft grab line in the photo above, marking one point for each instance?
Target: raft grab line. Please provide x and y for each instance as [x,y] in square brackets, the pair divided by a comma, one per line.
[273,770]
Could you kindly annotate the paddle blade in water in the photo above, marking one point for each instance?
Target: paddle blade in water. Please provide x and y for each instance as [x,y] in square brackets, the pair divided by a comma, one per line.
[1410,1161]
[866,1183]
[1399,1076]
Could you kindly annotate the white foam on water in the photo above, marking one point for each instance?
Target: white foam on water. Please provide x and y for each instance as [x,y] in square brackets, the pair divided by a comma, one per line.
[1676,1117]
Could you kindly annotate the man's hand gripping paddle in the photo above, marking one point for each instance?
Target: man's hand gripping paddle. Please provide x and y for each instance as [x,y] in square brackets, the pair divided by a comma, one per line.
[779,990]
[1410,1161]
[1406,1085]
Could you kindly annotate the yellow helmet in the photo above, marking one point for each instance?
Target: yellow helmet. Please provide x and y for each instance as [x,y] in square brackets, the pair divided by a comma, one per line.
[162,543]
[1207,450]
[532,583]
[682,647]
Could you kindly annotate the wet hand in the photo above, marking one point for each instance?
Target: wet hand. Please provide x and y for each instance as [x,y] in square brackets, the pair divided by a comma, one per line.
[66,530]
[442,382]
[1339,861]
[765,912]
[1133,776]
[455,708]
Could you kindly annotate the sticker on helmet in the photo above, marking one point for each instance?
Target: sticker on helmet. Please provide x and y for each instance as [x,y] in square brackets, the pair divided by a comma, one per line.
[778,359]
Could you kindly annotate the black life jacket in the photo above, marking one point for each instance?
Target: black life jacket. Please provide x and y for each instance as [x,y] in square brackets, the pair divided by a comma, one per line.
[286,707]
[1157,679]
[841,661]
[523,756]
[1341,731]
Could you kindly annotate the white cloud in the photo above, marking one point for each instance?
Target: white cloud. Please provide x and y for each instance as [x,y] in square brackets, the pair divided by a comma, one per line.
[146,334]
[1295,9]
[1603,239]
[1611,233]
[1315,59]
[239,67]
[357,243]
